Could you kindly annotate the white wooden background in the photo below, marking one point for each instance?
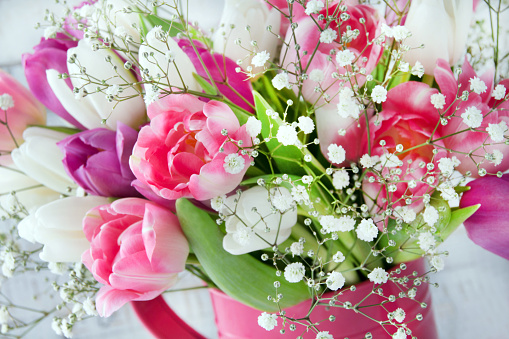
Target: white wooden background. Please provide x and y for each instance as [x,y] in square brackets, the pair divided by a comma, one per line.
[472,300]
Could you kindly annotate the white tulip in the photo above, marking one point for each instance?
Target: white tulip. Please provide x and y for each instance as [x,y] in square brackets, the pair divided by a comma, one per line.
[442,26]
[246,231]
[41,159]
[256,15]
[27,192]
[91,109]
[111,17]
[58,226]
[178,69]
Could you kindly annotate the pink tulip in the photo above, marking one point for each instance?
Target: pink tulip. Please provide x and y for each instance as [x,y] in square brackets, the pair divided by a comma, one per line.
[407,118]
[489,226]
[26,111]
[494,112]
[307,34]
[137,248]
[49,54]
[182,152]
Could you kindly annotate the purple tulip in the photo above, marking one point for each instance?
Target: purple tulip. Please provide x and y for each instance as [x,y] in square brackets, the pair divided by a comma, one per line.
[217,65]
[49,54]
[489,226]
[98,160]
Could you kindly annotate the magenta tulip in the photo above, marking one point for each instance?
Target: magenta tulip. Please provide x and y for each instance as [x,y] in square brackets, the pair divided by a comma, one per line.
[137,248]
[489,226]
[184,151]
[234,86]
[24,110]
[98,160]
[49,54]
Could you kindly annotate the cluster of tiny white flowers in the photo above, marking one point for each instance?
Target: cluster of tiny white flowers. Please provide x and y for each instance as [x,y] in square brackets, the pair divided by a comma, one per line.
[281,81]
[379,94]
[426,241]
[438,100]
[336,153]
[472,117]
[477,85]
[378,276]
[497,131]
[335,281]
[267,321]
[294,272]
[328,35]
[306,125]
[345,58]
[499,92]
[6,102]
[347,106]
[287,135]
[260,59]
[418,69]
[367,230]
[253,127]
[313,7]
[430,215]
[234,163]
[340,179]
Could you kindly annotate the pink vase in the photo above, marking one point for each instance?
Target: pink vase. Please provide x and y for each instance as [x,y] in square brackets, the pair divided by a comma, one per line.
[238,321]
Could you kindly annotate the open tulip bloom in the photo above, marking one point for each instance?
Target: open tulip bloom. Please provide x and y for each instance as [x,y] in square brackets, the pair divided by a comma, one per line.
[314,141]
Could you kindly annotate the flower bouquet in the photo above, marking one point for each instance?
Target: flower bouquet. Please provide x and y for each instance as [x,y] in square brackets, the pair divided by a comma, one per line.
[302,158]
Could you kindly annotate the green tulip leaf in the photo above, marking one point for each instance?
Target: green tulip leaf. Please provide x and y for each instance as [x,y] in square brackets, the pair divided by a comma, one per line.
[242,277]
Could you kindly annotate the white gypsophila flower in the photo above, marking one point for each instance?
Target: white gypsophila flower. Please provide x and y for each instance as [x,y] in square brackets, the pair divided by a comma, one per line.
[345,58]
[446,166]
[477,85]
[280,199]
[430,215]
[267,321]
[496,131]
[297,248]
[6,102]
[300,194]
[390,160]
[151,95]
[4,328]
[406,213]
[472,117]
[336,153]
[447,192]
[399,315]
[329,223]
[386,30]
[89,307]
[328,35]
[170,56]
[367,230]
[400,33]
[316,75]
[55,326]
[347,106]
[234,163]
[335,281]
[9,264]
[368,161]
[399,334]
[340,179]
[338,257]
[51,32]
[113,90]
[294,272]
[57,268]
[242,235]
[437,262]
[260,59]
[378,276]
[66,328]
[345,223]
[404,66]
[379,94]
[86,11]
[497,157]
[120,31]
[253,126]
[499,92]
[217,202]
[313,7]
[307,179]
[426,241]
[306,124]
[324,335]
[418,69]
[287,135]
[4,315]
[78,311]
[281,81]
[438,100]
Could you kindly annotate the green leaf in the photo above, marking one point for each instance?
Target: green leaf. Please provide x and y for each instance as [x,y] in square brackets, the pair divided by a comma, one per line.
[461,189]
[205,85]
[242,277]
[458,216]
[288,159]
[66,130]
